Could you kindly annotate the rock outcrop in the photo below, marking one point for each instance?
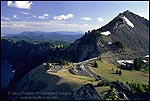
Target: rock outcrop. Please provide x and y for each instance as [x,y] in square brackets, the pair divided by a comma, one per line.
[86,92]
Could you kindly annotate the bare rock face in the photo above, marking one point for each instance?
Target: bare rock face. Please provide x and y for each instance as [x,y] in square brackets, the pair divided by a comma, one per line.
[86,92]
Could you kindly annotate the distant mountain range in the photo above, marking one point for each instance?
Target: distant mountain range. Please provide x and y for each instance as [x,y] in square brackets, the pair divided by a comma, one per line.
[66,36]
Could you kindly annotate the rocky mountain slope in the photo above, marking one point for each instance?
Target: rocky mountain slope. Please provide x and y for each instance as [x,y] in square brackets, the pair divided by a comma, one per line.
[126,33]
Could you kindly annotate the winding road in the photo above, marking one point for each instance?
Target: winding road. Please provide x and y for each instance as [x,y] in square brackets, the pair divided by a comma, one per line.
[89,70]
[88,67]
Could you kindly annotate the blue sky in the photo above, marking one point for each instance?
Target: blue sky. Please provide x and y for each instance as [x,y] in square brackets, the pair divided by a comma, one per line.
[51,16]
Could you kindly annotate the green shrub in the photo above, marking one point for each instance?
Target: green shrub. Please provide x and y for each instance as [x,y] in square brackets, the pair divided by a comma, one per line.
[120,72]
[95,64]
[112,95]
[140,88]
[62,62]
[105,82]
[117,72]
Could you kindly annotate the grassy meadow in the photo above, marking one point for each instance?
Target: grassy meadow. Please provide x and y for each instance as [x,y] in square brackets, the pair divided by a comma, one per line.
[105,70]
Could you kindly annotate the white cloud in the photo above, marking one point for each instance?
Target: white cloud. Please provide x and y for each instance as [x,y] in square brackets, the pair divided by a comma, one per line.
[34,16]
[100,19]
[20,25]
[15,17]
[5,18]
[63,17]
[25,13]
[86,18]
[46,15]
[43,16]
[20,4]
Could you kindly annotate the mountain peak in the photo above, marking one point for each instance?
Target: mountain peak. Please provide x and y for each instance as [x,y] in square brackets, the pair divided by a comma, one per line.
[127,30]
[127,11]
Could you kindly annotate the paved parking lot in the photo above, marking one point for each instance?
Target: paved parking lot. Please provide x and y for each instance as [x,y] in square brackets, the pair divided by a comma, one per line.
[80,68]
[79,71]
